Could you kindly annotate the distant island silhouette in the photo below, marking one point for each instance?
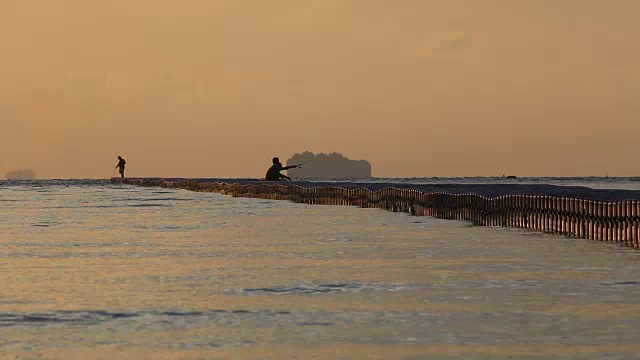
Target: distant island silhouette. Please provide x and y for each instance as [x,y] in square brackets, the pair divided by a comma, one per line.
[26,174]
[331,166]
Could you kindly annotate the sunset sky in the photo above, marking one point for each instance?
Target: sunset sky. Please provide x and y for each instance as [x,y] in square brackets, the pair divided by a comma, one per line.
[215,88]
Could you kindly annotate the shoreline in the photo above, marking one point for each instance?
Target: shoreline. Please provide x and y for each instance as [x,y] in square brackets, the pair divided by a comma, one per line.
[553,212]
[486,190]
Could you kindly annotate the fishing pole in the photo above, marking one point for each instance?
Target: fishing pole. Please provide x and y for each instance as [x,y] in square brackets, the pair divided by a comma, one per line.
[306,162]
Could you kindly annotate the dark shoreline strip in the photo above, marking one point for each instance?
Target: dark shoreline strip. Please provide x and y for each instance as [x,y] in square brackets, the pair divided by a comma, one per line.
[617,222]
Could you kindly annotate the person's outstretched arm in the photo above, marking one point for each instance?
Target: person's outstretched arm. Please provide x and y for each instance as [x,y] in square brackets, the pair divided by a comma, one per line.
[289,167]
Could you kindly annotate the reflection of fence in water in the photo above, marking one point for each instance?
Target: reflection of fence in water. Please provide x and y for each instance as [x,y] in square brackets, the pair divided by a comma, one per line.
[617,222]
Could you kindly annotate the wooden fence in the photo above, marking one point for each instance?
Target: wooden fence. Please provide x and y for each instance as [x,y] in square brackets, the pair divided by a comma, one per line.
[617,222]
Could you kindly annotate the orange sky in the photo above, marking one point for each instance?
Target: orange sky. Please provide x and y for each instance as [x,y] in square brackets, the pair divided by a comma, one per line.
[215,88]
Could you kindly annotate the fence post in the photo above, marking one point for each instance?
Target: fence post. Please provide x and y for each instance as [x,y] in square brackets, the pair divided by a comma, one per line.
[601,221]
[636,224]
[590,214]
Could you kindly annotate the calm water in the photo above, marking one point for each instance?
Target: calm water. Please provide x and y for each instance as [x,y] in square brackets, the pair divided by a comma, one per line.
[621,183]
[91,270]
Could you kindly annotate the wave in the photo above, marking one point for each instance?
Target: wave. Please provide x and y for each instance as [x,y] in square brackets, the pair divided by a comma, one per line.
[95,317]
[154,199]
[147,205]
[326,288]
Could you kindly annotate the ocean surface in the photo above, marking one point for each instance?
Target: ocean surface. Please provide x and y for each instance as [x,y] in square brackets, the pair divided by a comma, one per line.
[610,183]
[594,182]
[92,270]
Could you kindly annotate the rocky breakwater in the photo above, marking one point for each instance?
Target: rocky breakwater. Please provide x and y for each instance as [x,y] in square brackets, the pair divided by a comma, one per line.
[610,221]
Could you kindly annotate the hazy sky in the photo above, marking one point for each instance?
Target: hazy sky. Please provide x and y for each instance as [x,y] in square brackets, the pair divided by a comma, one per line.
[417,87]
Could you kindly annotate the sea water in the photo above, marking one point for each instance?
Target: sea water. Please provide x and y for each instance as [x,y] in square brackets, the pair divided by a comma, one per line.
[91,270]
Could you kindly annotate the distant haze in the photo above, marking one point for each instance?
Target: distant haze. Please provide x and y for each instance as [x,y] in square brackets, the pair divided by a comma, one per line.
[26,174]
[216,88]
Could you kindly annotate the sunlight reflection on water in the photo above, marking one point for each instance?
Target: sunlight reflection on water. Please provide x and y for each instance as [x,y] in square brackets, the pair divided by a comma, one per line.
[99,271]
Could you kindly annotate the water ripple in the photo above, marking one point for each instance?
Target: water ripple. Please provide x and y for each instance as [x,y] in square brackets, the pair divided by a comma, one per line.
[303,289]
[94,317]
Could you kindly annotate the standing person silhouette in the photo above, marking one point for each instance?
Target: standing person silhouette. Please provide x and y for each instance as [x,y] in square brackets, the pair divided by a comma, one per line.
[273,174]
[120,166]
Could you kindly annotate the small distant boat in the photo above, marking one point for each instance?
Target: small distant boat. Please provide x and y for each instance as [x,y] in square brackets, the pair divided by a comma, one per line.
[512,177]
